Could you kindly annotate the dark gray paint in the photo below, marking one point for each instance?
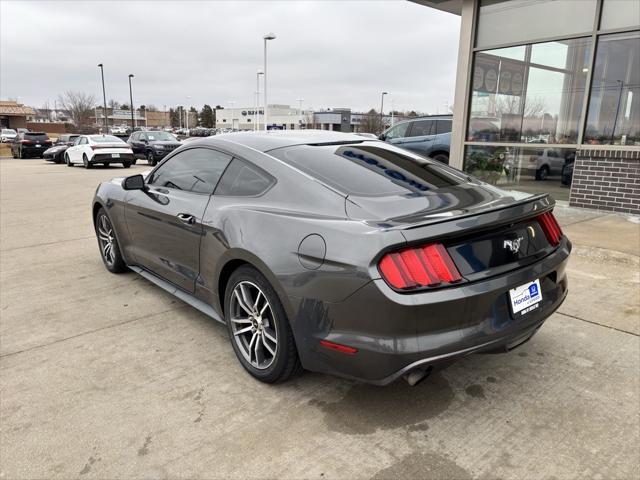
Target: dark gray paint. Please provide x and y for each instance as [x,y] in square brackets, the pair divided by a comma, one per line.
[343,298]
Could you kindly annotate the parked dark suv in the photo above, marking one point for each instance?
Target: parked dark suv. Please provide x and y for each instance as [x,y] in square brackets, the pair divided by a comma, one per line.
[426,136]
[30,144]
[152,145]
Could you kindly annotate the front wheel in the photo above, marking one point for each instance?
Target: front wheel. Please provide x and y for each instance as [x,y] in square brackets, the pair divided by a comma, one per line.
[258,327]
[542,173]
[67,160]
[109,248]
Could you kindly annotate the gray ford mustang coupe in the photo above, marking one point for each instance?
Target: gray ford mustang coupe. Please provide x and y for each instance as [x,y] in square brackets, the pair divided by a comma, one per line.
[337,253]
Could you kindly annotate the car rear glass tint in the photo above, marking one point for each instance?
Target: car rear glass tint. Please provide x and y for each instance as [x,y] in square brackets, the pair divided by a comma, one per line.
[241,179]
[443,126]
[375,169]
[36,136]
[106,139]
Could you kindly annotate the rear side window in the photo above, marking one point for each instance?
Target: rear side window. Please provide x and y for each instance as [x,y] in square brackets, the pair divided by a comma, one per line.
[41,137]
[374,169]
[196,170]
[443,126]
[422,128]
[243,179]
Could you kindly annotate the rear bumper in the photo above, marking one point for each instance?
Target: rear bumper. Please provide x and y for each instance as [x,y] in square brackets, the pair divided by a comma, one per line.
[33,151]
[106,158]
[396,333]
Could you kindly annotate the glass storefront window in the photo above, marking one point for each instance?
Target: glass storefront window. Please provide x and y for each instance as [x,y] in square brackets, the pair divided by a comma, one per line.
[530,93]
[523,21]
[620,14]
[614,101]
[532,169]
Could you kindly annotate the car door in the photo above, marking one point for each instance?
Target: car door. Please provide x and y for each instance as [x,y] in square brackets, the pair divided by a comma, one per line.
[397,135]
[165,221]
[72,151]
[556,162]
[134,143]
[420,137]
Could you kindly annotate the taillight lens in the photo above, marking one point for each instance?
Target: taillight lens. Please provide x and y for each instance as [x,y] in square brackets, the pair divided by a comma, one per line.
[550,227]
[427,266]
[25,141]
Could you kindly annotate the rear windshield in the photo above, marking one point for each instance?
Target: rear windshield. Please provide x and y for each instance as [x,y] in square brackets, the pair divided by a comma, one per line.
[36,136]
[369,169]
[106,139]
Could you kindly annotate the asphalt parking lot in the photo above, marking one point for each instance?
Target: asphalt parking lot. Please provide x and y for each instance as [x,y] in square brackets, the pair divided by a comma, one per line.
[106,376]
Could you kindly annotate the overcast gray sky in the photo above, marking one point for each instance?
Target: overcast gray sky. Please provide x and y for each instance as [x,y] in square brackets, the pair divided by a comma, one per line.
[330,53]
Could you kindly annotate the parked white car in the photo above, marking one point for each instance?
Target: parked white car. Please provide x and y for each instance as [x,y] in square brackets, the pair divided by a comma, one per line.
[118,130]
[89,150]
[7,135]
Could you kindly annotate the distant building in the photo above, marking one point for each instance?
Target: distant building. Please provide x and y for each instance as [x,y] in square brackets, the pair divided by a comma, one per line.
[344,120]
[281,117]
[14,115]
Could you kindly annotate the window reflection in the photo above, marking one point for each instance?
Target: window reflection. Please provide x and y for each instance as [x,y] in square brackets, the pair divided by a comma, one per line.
[529,169]
[614,103]
[530,93]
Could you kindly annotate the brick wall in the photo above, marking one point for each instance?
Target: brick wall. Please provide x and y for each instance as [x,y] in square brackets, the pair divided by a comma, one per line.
[607,180]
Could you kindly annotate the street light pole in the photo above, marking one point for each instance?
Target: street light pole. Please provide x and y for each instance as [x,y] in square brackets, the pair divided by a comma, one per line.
[131,100]
[104,97]
[257,125]
[267,37]
[382,110]
[300,100]
[186,116]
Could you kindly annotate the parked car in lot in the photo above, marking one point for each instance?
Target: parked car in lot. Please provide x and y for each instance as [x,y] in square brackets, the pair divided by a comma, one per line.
[547,162]
[56,152]
[90,150]
[118,130]
[23,130]
[567,174]
[336,253]
[8,135]
[153,146]
[30,144]
[426,136]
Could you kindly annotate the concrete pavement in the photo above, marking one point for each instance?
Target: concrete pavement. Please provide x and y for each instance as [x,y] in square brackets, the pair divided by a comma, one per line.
[107,376]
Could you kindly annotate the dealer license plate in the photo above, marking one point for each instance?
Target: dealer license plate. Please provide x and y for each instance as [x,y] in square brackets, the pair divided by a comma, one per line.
[525,298]
[115,155]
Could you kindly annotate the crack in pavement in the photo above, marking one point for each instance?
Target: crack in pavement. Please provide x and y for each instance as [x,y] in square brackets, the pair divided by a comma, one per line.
[45,244]
[599,324]
[89,332]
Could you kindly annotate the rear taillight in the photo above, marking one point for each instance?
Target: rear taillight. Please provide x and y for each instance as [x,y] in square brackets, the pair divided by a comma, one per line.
[25,141]
[427,266]
[550,227]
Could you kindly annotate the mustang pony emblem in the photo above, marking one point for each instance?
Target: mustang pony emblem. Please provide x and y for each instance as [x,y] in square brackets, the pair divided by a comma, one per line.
[513,245]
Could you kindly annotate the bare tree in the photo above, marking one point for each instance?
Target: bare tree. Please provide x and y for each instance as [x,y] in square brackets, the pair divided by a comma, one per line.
[80,107]
[371,123]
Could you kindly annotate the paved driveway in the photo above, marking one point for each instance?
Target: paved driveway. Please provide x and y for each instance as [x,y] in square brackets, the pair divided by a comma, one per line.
[106,376]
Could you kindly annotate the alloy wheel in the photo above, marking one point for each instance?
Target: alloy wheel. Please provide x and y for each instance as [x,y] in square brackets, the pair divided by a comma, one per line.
[253,325]
[107,240]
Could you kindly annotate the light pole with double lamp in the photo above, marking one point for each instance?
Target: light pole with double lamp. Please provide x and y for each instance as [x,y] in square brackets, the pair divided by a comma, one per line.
[267,37]
[131,75]
[382,110]
[104,97]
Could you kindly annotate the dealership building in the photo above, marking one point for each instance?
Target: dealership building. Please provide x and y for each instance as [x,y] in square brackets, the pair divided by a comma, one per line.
[546,88]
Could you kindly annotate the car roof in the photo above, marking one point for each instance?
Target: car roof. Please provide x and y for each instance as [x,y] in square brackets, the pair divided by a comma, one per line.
[266,141]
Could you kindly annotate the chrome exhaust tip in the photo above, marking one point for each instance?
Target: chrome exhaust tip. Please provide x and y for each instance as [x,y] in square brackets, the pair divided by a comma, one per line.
[414,377]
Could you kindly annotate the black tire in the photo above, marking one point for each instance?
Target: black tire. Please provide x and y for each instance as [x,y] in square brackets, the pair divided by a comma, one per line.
[114,263]
[442,157]
[85,161]
[126,164]
[542,173]
[151,159]
[67,161]
[285,364]
[58,160]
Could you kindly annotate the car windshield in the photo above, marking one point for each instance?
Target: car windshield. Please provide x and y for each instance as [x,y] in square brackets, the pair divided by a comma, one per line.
[370,169]
[161,137]
[106,139]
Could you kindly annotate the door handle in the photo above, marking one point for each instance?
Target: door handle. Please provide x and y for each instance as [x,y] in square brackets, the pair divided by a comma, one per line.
[186,218]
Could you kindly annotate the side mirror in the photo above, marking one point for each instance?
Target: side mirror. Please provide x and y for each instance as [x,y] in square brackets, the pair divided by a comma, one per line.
[134,182]
[382,137]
